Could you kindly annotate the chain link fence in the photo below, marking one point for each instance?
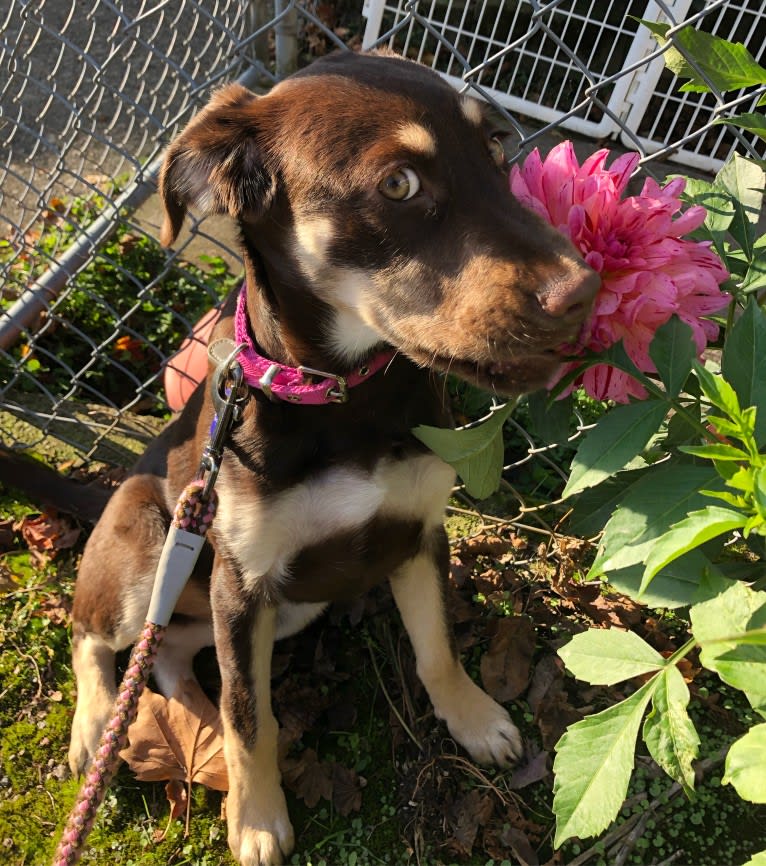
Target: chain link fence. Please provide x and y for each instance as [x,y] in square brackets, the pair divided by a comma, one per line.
[92,306]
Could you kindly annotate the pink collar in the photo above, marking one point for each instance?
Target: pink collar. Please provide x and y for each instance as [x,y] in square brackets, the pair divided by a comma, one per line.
[296,384]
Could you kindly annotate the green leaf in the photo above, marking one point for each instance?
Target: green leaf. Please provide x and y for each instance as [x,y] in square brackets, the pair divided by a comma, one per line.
[607,656]
[756,637]
[669,733]
[594,760]
[615,440]
[744,180]
[699,527]
[724,426]
[476,453]
[744,363]
[755,276]
[759,491]
[664,495]
[715,451]
[593,507]
[719,209]
[737,610]
[752,121]
[728,65]
[686,580]
[672,349]
[717,390]
[746,765]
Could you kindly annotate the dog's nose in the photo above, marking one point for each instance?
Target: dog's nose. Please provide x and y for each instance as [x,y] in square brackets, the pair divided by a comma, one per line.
[570,296]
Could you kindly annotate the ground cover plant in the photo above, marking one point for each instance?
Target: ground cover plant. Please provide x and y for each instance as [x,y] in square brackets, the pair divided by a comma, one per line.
[121,316]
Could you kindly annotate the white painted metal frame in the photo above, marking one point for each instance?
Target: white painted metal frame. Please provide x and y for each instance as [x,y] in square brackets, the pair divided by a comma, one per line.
[576,45]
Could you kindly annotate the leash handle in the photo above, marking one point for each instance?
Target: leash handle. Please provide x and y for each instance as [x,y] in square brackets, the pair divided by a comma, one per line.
[192,518]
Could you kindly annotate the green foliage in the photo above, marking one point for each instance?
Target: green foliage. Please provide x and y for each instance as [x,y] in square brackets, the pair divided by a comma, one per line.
[132,280]
[726,65]
[673,521]
[476,453]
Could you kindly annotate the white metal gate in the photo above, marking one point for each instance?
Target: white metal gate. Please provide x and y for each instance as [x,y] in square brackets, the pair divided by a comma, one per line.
[585,65]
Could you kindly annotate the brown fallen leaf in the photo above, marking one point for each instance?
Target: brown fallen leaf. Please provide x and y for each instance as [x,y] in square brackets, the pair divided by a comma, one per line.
[308,777]
[180,739]
[464,817]
[47,533]
[178,797]
[505,666]
[7,534]
[534,768]
[346,790]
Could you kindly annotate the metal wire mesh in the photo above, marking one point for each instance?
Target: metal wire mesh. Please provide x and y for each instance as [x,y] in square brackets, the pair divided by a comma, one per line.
[92,93]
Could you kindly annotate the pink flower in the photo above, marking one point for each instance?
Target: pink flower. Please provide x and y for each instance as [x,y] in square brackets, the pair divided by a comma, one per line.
[648,271]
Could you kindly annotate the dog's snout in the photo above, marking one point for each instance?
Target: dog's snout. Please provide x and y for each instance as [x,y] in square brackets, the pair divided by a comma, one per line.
[570,296]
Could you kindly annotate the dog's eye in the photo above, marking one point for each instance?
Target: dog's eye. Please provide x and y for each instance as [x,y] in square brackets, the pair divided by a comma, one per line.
[497,151]
[400,184]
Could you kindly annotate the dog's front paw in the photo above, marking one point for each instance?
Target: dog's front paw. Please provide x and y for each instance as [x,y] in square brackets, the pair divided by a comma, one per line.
[481,726]
[87,726]
[261,837]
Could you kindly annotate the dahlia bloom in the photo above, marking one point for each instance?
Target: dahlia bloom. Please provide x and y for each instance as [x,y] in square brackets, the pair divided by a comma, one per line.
[648,271]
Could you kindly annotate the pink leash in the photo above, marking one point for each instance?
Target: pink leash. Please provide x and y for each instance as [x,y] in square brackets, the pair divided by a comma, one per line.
[192,518]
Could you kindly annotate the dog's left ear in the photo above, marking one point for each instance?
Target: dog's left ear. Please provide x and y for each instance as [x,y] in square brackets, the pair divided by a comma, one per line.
[215,164]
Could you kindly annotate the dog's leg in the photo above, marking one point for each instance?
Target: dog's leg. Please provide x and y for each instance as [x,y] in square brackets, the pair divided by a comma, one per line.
[94,668]
[260,833]
[474,719]
[111,598]
[174,661]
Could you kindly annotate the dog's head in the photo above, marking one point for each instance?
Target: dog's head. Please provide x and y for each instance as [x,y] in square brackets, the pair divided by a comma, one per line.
[374,206]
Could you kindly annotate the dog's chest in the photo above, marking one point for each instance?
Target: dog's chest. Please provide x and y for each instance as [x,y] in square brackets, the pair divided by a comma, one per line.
[337,532]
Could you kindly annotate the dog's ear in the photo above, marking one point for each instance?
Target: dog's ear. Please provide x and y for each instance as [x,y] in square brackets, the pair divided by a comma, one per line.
[215,164]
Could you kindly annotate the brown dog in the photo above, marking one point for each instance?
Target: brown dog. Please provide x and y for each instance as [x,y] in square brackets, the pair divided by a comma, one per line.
[374,212]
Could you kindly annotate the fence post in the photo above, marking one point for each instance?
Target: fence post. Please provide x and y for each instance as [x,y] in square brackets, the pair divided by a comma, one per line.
[259,13]
[286,37]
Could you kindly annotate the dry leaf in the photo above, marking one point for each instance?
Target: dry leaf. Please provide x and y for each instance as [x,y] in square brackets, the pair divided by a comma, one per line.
[7,533]
[177,739]
[307,777]
[533,769]
[346,790]
[465,816]
[506,665]
[48,533]
[178,797]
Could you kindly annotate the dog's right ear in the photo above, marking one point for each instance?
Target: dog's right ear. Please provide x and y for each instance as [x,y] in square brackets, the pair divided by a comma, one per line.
[216,164]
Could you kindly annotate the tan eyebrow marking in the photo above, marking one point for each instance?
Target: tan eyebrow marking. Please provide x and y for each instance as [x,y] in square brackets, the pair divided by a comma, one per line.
[471,109]
[416,137]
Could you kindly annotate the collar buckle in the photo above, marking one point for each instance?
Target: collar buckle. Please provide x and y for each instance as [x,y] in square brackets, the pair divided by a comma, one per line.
[333,395]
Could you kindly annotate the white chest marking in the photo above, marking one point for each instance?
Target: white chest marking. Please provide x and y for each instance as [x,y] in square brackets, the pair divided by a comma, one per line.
[265,535]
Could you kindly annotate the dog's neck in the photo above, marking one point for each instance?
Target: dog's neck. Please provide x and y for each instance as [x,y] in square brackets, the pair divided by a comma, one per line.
[286,314]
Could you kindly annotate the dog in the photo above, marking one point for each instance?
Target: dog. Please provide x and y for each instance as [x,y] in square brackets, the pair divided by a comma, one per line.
[380,241]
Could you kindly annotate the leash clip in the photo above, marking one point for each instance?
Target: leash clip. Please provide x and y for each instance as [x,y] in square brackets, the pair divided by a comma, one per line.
[229,393]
